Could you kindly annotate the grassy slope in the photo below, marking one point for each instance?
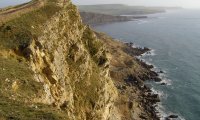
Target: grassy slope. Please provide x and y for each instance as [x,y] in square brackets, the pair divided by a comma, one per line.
[15,36]
[17,87]
[18,32]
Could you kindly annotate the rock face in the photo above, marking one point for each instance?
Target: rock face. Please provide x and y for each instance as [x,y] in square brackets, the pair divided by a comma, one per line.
[135,100]
[73,67]
[71,64]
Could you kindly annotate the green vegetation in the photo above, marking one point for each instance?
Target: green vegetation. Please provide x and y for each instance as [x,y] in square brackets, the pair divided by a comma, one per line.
[16,87]
[17,6]
[87,85]
[87,93]
[20,31]
[16,110]
[16,78]
[72,13]
[94,46]
[118,9]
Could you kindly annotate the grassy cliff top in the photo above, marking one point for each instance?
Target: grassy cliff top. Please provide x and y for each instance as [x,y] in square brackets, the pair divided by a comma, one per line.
[18,31]
[18,26]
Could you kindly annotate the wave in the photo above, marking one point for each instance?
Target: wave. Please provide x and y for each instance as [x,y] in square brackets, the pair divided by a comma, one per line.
[150,53]
[160,109]
[162,113]
[142,21]
[160,93]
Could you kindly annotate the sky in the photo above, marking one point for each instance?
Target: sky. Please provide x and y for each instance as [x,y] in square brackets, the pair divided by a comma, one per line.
[169,3]
[5,3]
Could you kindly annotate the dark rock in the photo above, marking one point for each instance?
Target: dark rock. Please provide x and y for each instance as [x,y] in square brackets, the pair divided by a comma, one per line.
[124,87]
[154,74]
[129,44]
[64,105]
[149,90]
[143,117]
[161,71]
[171,117]
[154,98]
[130,105]
[163,84]
[156,79]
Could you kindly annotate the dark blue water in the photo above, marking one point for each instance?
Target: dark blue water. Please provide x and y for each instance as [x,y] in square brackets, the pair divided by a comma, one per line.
[175,37]
[6,3]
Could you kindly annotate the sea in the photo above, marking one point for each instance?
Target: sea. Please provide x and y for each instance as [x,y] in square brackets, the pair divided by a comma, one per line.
[174,38]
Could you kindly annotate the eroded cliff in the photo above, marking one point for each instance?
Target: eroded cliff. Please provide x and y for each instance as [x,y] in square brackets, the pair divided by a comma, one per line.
[53,67]
[66,67]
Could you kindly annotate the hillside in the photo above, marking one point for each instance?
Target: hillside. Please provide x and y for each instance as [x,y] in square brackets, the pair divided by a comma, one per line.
[119,9]
[90,18]
[53,67]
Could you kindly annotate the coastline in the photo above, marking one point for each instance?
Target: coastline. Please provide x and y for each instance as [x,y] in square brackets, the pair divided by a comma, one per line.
[151,98]
[116,83]
[157,76]
[95,19]
[130,81]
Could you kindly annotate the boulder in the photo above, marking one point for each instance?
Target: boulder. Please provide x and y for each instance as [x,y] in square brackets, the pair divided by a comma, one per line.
[170,117]
[161,71]
[163,84]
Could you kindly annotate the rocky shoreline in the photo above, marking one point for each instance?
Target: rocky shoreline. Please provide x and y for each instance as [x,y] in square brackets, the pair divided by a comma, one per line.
[149,99]
[130,81]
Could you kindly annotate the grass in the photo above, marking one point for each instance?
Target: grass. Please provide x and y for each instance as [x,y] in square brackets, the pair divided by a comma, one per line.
[93,45]
[86,84]
[14,72]
[87,95]
[12,100]
[18,6]
[17,85]
[16,110]
[19,32]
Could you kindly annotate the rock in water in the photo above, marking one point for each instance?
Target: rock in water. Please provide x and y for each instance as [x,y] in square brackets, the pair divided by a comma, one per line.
[172,117]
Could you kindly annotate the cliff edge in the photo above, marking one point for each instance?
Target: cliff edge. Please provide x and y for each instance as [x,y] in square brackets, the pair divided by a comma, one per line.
[53,67]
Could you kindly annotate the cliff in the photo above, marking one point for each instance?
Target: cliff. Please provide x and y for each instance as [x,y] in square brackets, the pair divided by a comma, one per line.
[90,18]
[53,67]
[120,9]
[95,18]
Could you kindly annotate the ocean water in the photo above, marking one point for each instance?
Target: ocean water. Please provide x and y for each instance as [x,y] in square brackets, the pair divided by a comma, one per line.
[175,38]
[6,3]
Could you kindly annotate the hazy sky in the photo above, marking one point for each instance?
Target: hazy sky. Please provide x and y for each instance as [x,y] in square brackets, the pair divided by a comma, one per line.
[181,3]
[5,3]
